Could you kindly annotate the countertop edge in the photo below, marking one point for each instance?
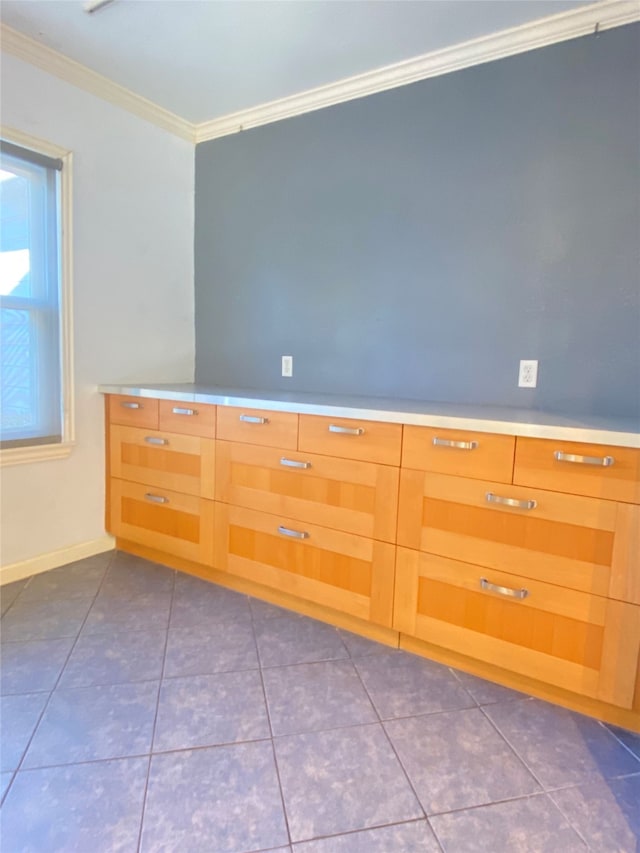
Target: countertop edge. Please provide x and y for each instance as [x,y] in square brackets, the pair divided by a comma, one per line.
[537,427]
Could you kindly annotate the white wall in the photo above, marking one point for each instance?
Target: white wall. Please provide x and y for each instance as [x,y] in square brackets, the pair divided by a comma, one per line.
[133,290]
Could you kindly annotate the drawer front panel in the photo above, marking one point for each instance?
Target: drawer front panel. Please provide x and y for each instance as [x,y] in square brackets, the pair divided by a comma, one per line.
[368,441]
[258,426]
[625,578]
[188,418]
[356,497]
[465,454]
[555,635]
[133,411]
[167,521]
[580,470]
[167,460]
[342,571]
[562,539]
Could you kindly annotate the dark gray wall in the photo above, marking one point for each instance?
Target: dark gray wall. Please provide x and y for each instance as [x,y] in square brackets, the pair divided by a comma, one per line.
[419,242]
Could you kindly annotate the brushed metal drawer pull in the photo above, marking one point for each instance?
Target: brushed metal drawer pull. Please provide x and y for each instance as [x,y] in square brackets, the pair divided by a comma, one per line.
[293,463]
[153,439]
[496,499]
[127,405]
[503,590]
[178,411]
[252,419]
[346,430]
[156,499]
[295,534]
[603,461]
[460,445]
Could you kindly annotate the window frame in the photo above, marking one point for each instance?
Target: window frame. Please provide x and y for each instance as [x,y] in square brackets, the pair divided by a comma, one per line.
[63,448]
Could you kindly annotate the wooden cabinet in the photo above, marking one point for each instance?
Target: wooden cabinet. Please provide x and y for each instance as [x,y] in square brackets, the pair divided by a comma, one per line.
[580,642]
[161,483]
[305,523]
[343,494]
[187,418]
[348,573]
[514,557]
[596,470]
[184,463]
[567,540]
[463,453]
[258,426]
[167,521]
[133,411]
[534,568]
[369,441]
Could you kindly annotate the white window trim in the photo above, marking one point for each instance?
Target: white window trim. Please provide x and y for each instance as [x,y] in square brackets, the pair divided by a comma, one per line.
[41,452]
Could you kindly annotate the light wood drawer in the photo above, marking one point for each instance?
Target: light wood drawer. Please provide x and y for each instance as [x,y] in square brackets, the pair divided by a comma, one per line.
[344,494]
[164,520]
[580,469]
[568,540]
[580,642]
[463,453]
[258,426]
[188,418]
[133,411]
[369,441]
[167,460]
[345,572]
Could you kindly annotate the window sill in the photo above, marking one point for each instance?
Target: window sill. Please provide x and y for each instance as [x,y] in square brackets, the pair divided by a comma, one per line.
[35,453]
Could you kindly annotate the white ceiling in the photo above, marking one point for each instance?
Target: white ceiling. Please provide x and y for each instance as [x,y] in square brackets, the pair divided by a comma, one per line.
[202,59]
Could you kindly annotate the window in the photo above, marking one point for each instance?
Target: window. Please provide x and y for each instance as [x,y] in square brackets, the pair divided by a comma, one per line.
[35,411]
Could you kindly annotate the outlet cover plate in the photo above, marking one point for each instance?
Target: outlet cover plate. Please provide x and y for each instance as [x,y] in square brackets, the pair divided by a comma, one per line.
[287,365]
[528,375]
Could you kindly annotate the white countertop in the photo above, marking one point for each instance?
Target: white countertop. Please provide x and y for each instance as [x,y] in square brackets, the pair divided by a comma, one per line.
[496,419]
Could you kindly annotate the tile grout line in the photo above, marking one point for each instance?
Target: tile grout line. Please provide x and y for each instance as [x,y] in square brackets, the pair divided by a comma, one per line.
[546,793]
[271,738]
[500,802]
[350,659]
[393,749]
[571,787]
[266,740]
[155,719]
[454,672]
[197,748]
[478,706]
[144,754]
[621,742]
[60,674]
[514,750]
[87,686]
[25,585]
[331,729]
[209,674]
[347,655]
[349,832]
[568,820]
[109,557]
[303,663]
[356,831]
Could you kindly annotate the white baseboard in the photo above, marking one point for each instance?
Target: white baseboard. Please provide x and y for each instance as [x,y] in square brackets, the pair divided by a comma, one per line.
[44,562]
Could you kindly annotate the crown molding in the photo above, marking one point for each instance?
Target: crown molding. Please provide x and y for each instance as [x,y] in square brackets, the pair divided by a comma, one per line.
[597,17]
[73,72]
[603,15]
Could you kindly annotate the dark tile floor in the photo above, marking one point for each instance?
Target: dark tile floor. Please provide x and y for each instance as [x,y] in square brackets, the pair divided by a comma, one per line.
[143,709]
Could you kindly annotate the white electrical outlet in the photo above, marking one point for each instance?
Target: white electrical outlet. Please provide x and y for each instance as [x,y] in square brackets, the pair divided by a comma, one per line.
[287,365]
[528,376]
